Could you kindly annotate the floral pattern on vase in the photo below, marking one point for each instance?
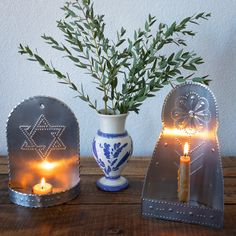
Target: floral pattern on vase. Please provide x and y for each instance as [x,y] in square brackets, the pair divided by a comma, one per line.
[112,155]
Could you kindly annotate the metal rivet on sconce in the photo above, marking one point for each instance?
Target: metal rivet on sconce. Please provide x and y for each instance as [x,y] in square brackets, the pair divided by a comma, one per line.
[188,179]
[43,147]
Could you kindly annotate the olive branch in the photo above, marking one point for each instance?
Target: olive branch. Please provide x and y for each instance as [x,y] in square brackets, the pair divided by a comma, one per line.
[127,71]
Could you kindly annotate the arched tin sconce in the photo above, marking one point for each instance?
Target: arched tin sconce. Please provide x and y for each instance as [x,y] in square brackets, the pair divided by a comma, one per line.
[184,180]
[43,151]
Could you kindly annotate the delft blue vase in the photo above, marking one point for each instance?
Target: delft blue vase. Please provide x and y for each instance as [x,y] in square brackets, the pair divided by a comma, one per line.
[112,147]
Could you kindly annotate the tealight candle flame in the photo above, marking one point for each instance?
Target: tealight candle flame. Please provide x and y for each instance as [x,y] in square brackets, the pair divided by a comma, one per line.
[186,149]
[42,187]
[43,182]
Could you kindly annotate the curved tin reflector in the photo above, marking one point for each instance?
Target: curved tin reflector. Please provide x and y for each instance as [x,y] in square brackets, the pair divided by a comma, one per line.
[189,115]
[43,142]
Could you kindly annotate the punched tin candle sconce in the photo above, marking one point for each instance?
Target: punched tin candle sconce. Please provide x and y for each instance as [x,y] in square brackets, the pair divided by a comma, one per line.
[43,152]
[181,185]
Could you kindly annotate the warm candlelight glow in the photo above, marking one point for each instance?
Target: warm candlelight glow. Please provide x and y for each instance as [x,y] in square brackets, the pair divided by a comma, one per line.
[182,133]
[48,165]
[186,149]
[42,188]
[174,132]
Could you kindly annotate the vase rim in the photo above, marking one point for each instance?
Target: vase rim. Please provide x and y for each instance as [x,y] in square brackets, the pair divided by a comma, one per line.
[112,115]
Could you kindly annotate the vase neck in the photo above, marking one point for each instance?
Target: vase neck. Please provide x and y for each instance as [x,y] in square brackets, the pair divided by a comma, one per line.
[112,123]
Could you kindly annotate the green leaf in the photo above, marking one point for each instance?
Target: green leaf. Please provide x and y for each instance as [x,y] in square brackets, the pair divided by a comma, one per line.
[180,79]
[81,65]
[178,54]
[123,31]
[199,15]
[154,64]
[190,67]
[170,30]
[58,73]
[120,42]
[170,58]
[162,64]
[39,59]
[198,79]
[146,26]
[185,55]
[109,65]
[58,48]
[74,59]
[184,21]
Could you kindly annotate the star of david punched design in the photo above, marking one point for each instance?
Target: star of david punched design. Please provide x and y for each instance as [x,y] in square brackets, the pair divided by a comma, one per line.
[42,137]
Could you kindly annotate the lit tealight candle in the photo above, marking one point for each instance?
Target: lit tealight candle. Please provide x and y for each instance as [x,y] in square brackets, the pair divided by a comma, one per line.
[42,188]
[184,176]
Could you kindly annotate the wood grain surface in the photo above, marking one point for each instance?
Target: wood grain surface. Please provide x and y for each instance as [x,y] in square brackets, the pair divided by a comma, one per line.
[95,212]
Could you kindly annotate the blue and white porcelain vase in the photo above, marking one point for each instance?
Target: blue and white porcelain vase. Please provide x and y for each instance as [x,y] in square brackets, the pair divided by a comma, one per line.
[112,147]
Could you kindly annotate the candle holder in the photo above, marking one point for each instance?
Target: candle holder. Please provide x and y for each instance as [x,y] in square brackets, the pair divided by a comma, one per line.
[43,152]
[180,185]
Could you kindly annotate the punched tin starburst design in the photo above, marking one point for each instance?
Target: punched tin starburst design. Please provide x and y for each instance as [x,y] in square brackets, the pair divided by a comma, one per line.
[191,113]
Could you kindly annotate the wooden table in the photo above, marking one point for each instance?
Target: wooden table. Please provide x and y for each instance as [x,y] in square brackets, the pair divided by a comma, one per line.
[99,213]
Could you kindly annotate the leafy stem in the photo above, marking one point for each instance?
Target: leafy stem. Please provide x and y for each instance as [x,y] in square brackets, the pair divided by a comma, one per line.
[129,70]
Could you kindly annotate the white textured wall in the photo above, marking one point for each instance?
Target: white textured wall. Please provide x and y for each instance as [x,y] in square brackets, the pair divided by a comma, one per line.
[24,21]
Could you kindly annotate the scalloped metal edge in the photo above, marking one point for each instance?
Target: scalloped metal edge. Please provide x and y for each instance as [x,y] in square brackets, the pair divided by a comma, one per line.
[14,192]
[161,133]
[46,200]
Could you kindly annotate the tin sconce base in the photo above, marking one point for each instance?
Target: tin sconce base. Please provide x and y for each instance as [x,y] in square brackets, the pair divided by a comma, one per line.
[45,200]
[170,210]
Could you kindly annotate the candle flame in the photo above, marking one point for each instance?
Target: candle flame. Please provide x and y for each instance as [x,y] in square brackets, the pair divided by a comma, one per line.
[186,149]
[42,182]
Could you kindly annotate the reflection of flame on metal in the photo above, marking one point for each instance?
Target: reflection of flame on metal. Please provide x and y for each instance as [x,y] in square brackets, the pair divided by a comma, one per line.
[48,165]
[56,172]
[52,165]
[182,133]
